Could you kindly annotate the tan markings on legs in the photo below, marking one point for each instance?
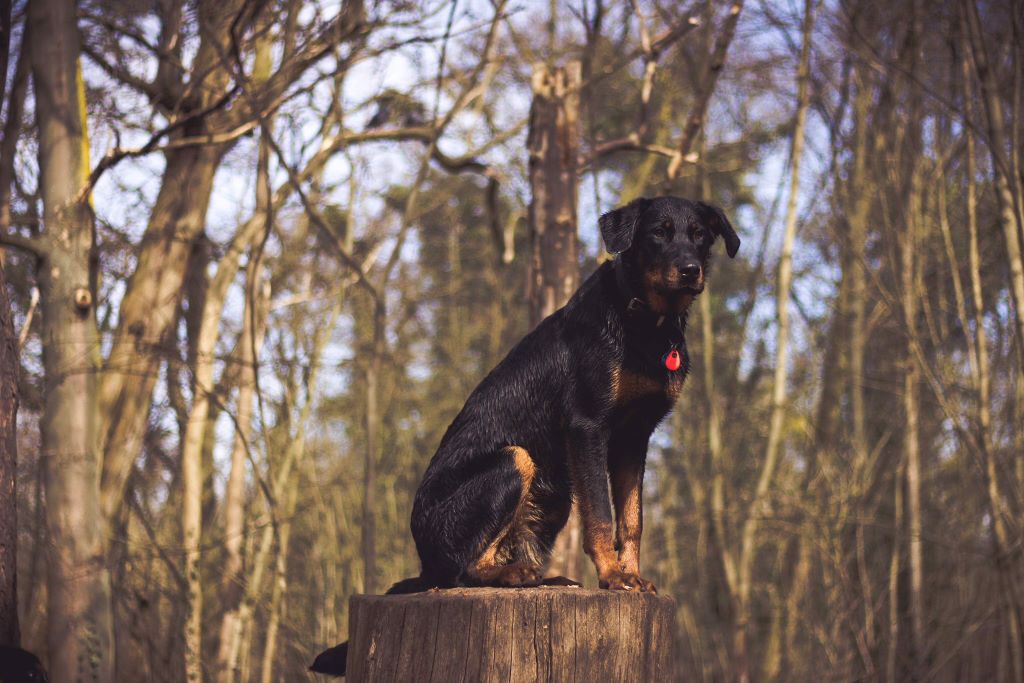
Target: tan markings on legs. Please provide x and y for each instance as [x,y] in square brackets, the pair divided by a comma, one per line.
[489,560]
[489,565]
[627,482]
[599,543]
[526,468]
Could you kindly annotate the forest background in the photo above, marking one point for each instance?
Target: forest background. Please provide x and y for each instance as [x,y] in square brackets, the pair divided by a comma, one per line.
[256,255]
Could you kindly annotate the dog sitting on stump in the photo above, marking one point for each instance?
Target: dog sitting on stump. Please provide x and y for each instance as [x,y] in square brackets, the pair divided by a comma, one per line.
[570,409]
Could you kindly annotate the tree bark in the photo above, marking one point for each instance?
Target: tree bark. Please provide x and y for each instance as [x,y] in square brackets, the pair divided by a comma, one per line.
[553,142]
[554,247]
[79,624]
[567,634]
[372,454]
[147,312]
[10,368]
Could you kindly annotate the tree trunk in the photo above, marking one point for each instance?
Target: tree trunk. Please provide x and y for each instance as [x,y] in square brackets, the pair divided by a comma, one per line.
[553,142]
[249,344]
[147,312]
[10,368]
[235,648]
[196,435]
[771,457]
[858,235]
[911,437]
[79,613]
[554,252]
[373,422]
[203,389]
[895,556]
[280,581]
[982,386]
[567,634]
[1010,208]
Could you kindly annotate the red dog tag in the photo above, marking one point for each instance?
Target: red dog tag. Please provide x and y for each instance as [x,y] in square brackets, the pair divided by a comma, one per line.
[673,360]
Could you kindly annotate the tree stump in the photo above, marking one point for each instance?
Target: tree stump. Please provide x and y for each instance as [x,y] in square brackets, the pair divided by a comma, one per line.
[515,635]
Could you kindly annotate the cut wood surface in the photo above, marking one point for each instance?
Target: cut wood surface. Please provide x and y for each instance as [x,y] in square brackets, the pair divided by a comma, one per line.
[530,634]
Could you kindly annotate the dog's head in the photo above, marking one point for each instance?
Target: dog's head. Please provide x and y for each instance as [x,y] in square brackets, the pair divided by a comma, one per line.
[665,243]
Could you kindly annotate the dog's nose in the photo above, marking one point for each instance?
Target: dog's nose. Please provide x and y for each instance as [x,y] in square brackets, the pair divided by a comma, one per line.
[690,271]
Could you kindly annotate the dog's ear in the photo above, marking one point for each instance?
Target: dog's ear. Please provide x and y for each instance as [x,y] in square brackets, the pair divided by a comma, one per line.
[618,226]
[715,219]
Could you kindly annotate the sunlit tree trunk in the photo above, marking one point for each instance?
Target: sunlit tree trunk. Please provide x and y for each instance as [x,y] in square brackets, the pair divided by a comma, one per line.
[554,267]
[371,456]
[868,141]
[147,311]
[982,384]
[238,640]
[280,581]
[195,438]
[911,430]
[553,142]
[79,612]
[1011,210]
[150,303]
[778,402]
[896,554]
[250,342]
[203,389]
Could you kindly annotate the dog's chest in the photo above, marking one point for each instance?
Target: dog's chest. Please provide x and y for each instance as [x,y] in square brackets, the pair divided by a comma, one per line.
[630,386]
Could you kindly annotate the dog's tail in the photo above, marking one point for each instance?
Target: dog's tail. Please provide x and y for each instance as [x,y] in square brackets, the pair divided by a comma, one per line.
[416,584]
[334,661]
[331,662]
[20,665]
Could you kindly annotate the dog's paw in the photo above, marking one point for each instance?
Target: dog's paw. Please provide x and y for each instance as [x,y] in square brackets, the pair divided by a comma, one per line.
[626,581]
[519,575]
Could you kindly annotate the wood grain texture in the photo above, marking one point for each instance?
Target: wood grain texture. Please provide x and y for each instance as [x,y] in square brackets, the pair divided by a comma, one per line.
[516,635]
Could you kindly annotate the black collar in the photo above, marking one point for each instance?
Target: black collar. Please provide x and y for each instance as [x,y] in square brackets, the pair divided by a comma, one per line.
[637,308]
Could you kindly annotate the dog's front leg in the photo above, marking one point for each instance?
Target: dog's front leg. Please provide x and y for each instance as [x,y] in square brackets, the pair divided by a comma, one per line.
[627,494]
[626,471]
[588,454]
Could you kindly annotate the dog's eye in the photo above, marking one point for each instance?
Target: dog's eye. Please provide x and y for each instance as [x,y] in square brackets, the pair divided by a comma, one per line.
[661,230]
[698,234]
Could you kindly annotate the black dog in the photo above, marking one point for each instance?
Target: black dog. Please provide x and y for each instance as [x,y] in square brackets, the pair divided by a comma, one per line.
[571,407]
[20,666]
